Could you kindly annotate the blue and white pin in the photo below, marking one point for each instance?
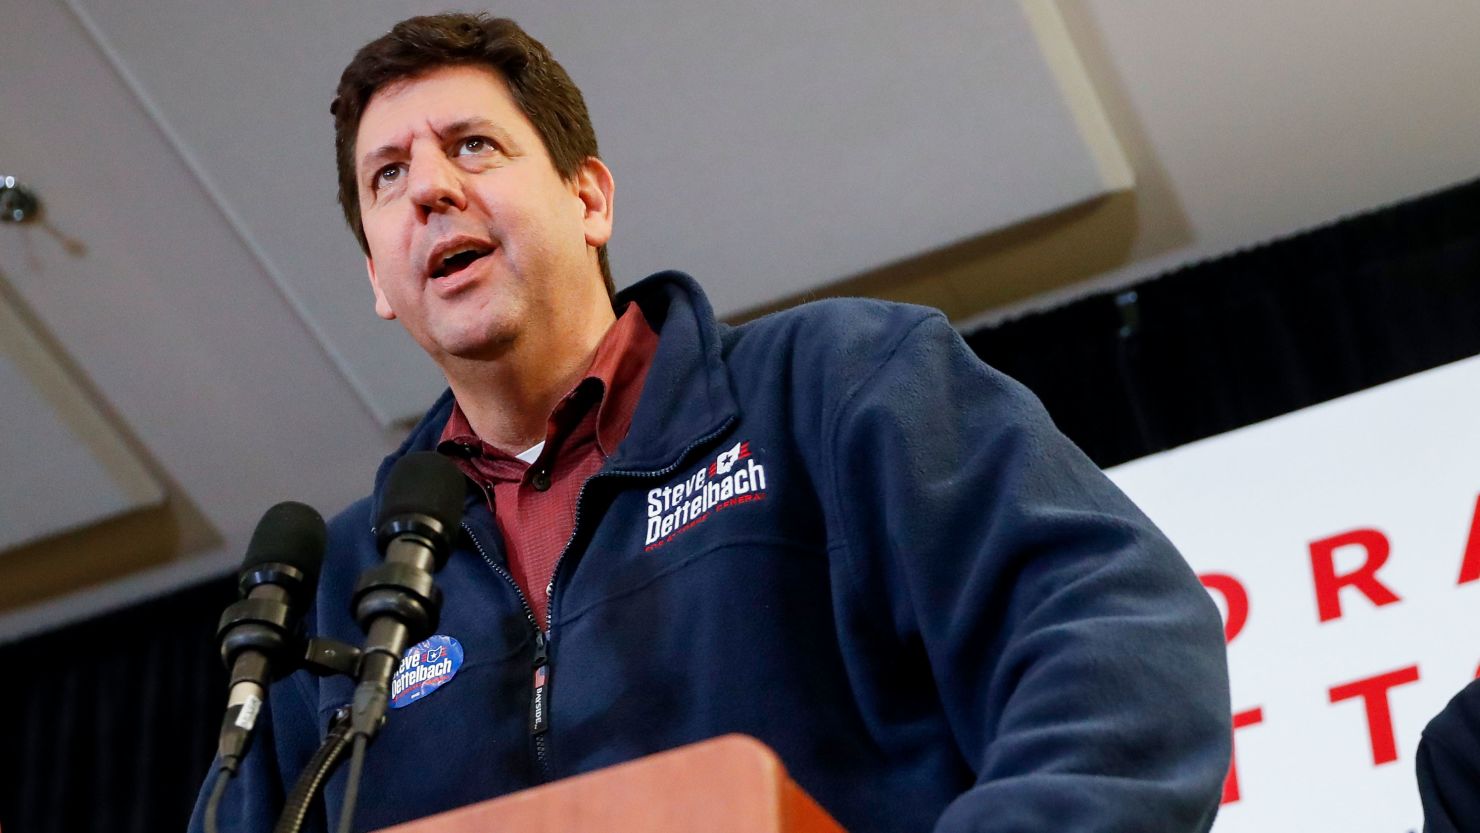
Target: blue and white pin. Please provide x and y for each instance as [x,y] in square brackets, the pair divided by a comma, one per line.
[426,667]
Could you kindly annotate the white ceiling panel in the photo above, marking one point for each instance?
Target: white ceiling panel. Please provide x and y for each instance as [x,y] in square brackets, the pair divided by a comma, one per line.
[190,348]
[64,465]
[767,147]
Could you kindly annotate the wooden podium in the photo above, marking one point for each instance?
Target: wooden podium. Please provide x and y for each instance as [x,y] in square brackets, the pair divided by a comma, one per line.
[731,784]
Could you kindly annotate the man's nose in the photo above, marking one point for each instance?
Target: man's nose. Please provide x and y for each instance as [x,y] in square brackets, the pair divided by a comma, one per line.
[435,185]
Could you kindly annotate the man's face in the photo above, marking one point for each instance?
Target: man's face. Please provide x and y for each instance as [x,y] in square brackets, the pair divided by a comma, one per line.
[475,240]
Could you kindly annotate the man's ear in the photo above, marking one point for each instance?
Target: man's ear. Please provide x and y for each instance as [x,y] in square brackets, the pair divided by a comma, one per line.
[382,306]
[594,187]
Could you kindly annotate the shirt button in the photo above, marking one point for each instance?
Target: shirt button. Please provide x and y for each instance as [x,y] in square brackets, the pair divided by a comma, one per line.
[541,480]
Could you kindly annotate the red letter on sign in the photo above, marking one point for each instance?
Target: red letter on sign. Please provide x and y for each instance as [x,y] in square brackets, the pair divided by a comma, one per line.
[1241,719]
[1235,598]
[1374,694]
[1364,578]
[1470,570]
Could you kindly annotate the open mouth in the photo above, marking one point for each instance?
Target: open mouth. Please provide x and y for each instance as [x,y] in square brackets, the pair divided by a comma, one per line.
[459,259]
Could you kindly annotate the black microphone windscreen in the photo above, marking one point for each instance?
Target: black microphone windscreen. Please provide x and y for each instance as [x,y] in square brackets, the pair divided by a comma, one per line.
[289,533]
[424,483]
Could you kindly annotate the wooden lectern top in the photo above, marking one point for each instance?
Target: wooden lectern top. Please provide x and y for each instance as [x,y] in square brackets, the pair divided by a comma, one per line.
[731,784]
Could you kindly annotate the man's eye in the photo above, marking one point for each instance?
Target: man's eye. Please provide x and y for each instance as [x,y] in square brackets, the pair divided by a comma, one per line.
[386,175]
[474,145]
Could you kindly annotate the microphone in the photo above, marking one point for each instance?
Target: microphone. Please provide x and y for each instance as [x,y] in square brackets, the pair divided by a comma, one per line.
[256,633]
[397,603]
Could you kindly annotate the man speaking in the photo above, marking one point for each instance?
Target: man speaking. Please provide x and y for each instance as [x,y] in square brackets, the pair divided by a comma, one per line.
[833,528]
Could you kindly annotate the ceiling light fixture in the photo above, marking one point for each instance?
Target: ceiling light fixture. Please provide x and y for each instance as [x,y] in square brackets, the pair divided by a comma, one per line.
[18,203]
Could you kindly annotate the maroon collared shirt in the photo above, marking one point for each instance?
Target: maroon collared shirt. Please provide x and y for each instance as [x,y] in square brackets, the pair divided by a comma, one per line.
[535,504]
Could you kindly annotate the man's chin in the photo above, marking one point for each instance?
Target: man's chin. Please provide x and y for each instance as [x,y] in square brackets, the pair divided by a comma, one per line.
[486,347]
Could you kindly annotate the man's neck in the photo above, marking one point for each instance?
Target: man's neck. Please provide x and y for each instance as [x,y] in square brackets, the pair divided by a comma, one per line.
[508,399]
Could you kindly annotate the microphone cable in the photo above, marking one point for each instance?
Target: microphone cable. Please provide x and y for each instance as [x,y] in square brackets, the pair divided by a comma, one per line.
[218,789]
[311,781]
[352,786]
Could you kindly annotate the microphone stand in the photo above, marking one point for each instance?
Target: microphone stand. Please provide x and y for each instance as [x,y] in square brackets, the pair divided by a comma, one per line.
[398,605]
[322,658]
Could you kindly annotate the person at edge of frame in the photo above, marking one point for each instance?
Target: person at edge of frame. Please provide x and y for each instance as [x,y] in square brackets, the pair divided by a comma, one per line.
[1448,765]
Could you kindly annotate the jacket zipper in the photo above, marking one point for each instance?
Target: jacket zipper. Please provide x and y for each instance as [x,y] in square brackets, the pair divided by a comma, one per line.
[539,698]
[539,707]
[581,497]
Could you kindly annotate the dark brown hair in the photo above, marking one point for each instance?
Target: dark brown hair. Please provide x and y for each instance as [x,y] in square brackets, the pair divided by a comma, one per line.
[540,86]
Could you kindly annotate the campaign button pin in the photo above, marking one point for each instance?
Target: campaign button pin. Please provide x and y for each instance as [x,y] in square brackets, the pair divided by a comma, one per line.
[426,667]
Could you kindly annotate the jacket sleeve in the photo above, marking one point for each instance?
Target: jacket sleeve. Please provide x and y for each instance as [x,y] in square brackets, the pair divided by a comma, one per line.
[1079,662]
[286,737]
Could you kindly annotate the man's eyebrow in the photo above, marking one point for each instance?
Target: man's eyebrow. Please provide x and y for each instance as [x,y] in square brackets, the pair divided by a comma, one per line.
[461,126]
[373,158]
[477,123]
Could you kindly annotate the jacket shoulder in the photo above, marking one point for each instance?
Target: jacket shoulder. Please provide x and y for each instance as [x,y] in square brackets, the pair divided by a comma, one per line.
[349,551]
[831,316]
[833,334]
[349,529]
[352,518]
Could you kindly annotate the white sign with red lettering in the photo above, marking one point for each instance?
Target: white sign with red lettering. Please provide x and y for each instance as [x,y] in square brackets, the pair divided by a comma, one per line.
[1342,544]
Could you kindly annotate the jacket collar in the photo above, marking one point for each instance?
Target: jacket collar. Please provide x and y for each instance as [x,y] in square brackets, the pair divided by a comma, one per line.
[686,399]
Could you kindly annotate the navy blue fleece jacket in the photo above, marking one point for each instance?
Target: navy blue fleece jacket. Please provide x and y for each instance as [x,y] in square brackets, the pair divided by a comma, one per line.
[1448,765]
[836,530]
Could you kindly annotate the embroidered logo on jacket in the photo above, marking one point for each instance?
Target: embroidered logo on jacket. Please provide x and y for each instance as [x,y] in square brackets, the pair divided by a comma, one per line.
[732,479]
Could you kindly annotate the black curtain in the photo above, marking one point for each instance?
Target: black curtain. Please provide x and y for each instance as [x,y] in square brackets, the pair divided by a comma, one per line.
[1253,335]
[110,725]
